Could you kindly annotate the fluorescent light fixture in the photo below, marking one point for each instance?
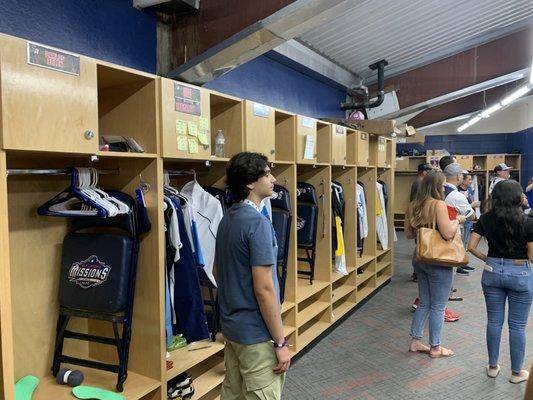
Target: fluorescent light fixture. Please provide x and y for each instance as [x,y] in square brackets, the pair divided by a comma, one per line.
[463,127]
[491,110]
[515,95]
[475,120]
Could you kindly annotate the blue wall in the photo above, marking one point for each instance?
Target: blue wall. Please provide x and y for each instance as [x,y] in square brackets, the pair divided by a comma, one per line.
[110,30]
[267,81]
[518,142]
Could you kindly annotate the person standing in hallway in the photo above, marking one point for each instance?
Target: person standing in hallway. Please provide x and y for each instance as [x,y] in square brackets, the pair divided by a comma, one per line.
[256,354]
[507,276]
[503,172]
[434,281]
[423,169]
[465,188]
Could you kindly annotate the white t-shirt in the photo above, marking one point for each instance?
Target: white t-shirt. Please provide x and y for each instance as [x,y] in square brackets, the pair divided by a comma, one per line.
[458,201]
[494,182]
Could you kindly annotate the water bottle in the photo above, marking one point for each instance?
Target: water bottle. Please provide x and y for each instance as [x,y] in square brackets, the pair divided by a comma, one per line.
[220,140]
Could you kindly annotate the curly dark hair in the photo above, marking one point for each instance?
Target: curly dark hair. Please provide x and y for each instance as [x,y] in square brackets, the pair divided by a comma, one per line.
[504,207]
[243,169]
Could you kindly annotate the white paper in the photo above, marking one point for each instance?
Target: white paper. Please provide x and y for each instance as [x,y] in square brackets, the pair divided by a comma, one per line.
[309,152]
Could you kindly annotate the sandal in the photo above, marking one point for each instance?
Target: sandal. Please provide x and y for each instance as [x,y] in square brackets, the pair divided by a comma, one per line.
[443,353]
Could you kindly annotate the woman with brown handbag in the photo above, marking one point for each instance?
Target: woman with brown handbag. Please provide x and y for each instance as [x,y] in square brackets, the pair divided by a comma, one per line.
[507,275]
[434,281]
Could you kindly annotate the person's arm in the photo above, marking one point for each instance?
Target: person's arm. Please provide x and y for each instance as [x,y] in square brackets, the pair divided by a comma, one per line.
[446,227]
[530,251]
[267,299]
[407,228]
[475,204]
[529,187]
[472,246]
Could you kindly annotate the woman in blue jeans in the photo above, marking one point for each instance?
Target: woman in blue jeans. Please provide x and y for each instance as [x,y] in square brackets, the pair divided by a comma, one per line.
[507,274]
[434,281]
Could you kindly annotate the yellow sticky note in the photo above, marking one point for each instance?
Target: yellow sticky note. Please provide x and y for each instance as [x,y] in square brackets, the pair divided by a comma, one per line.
[182,143]
[181,127]
[202,137]
[203,124]
[193,128]
[193,146]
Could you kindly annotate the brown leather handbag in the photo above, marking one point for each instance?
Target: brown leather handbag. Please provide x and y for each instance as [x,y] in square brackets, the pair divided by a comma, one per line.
[432,248]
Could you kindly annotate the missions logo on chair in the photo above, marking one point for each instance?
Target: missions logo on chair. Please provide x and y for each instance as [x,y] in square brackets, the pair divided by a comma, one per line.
[89,272]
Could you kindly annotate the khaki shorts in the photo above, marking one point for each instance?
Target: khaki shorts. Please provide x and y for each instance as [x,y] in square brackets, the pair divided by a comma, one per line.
[249,372]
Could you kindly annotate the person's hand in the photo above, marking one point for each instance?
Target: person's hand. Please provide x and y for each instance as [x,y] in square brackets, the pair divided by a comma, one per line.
[475,204]
[284,360]
[461,219]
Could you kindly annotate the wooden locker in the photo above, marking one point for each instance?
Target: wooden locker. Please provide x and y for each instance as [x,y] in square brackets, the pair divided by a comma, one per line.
[306,127]
[260,129]
[338,145]
[362,145]
[51,106]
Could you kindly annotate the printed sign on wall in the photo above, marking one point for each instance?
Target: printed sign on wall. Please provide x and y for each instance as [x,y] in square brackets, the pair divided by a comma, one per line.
[187,99]
[51,58]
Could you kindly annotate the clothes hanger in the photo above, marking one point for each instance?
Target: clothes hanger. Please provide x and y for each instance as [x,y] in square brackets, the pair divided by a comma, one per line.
[88,179]
[122,208]
[60,205]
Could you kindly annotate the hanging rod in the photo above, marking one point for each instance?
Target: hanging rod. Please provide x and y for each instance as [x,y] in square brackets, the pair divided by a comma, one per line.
[180,172]
[60,171]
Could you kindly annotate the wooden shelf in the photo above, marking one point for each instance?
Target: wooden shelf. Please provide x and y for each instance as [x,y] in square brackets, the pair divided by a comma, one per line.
[363,260]
[310,312]
[382,265]
[286,306]
[380,280]
[186,358]
[287,330]
[342,291]
[311,333]
[125,154]
[381,252]
[209,380]
[335,276]
[306,290]
[363,293]
[365,276]
[136,386]
[342,308]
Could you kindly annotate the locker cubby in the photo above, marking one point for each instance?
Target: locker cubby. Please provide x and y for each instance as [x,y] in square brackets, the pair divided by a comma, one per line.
[227,114]
[366,272]
[208,376]
[351,146]
[386,175]
[480,161]
[305,127]
[312,306]
[383,275]
[342,287]
[347,177]
[324,138]
[367,176]
[35,275]
[362,148]
[383,261]
[127,106]
[183,104]
[313,328]
[343,305]
[379,151]
[513,161]
[366,286]
[285,132]
[289,321]
[259,134]
[286,176]
[320,178]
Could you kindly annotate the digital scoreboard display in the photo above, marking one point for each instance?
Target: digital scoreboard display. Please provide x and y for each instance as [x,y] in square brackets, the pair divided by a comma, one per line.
[51,58]
[187,99]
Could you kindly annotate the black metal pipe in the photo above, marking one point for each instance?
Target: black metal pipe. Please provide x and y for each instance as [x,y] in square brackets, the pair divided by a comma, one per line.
[365,103]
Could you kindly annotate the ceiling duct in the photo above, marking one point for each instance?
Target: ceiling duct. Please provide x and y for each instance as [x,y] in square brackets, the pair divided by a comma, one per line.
[365,102]
[257,39]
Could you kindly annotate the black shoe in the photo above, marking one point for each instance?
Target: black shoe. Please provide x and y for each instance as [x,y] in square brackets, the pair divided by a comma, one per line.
[461,271]
[468,268]
[414,277]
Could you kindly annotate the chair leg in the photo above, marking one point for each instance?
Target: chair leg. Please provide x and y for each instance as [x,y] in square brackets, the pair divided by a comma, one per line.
[62,322]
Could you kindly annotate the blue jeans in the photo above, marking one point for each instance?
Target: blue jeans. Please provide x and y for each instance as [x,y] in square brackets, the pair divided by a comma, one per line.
[467,228]
[514,283]
[434,285]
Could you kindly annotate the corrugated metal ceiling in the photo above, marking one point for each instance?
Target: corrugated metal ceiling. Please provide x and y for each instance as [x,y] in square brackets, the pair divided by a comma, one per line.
[412,33]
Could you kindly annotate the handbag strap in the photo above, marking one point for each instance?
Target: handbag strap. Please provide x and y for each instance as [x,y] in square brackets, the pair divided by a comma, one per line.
[432,210]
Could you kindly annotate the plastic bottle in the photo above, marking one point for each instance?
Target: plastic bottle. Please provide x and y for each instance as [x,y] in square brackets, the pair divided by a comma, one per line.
[220,140]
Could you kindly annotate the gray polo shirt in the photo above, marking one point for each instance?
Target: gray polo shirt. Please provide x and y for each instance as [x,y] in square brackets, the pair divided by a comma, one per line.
[245,238]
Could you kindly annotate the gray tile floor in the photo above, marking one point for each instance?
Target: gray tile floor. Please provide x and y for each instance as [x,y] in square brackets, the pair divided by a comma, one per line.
[366,356]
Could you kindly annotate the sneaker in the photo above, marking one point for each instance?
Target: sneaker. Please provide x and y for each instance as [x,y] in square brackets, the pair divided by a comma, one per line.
[450,316]
[468,268]
[178,342]
[462,271]
[414,277]
[415,304]
[493,372]
[524,375]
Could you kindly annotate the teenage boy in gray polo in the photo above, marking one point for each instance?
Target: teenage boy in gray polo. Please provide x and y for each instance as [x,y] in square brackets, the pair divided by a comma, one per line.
[256,355]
